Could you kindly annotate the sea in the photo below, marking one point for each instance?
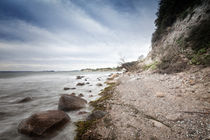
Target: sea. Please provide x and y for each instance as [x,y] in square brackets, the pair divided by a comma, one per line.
[44,89]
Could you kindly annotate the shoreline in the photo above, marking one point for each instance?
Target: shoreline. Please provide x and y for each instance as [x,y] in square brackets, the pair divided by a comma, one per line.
[83,127]
[150,105]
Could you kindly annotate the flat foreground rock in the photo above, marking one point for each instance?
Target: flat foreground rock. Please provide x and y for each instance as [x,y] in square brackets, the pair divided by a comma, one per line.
[39,123]
[71,102]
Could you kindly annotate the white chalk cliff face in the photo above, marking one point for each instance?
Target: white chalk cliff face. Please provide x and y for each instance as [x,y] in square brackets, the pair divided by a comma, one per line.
[172,40]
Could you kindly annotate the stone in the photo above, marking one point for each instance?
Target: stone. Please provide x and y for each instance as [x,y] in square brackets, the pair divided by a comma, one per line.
[80,84]
[99,84]
[71,102]
[96,115]
[80,77]
[113,76]
[160,94]
[24,100]
[110,82]
[81,95]
[73,94]
[174,117]
[66,88]
[158,124]
[40,123]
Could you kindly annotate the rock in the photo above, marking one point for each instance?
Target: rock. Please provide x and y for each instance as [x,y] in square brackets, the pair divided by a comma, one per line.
[72,88]
[113,76]
[90,96]
[38,124]
[80,77]
[110,82]
[26,99]
[87,83]
[175,117]
[71,102]
[80,84]
[66,88]
[81,95]
[158,124]
[192,82]
[73,94]
[82,112]
[89,91]
[160,94]
[96,115]
[99,84]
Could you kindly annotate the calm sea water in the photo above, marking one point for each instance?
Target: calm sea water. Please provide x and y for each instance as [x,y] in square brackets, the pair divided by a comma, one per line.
[45,89]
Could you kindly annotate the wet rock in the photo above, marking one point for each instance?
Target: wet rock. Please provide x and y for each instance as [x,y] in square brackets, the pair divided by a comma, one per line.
[66,88]
[98,79]
[99,84]
[72,88]
[81,95]
[80,77]
[89,91]
[40,123]
[71,102]
[82,112]
[90,96]
[96,115]
[80,84]
[87,83]
[73,94]
[24,100]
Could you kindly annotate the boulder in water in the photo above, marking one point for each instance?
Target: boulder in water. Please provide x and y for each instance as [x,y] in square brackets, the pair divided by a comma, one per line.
[81,95]
[80,77]
[99,84]
[80,84]
[71,102]
[39,124]
[66,88]
[26,99]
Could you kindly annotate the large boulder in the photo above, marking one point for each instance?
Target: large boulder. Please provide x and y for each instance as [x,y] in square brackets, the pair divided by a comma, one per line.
[40,124]
[71,102]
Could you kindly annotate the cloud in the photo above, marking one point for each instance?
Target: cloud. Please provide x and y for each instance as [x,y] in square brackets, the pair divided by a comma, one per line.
[73,34]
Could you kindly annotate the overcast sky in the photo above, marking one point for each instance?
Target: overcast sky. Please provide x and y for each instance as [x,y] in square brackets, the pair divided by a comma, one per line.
[73,34]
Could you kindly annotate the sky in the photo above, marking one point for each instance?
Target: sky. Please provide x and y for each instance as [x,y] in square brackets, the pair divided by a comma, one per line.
[73,34]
